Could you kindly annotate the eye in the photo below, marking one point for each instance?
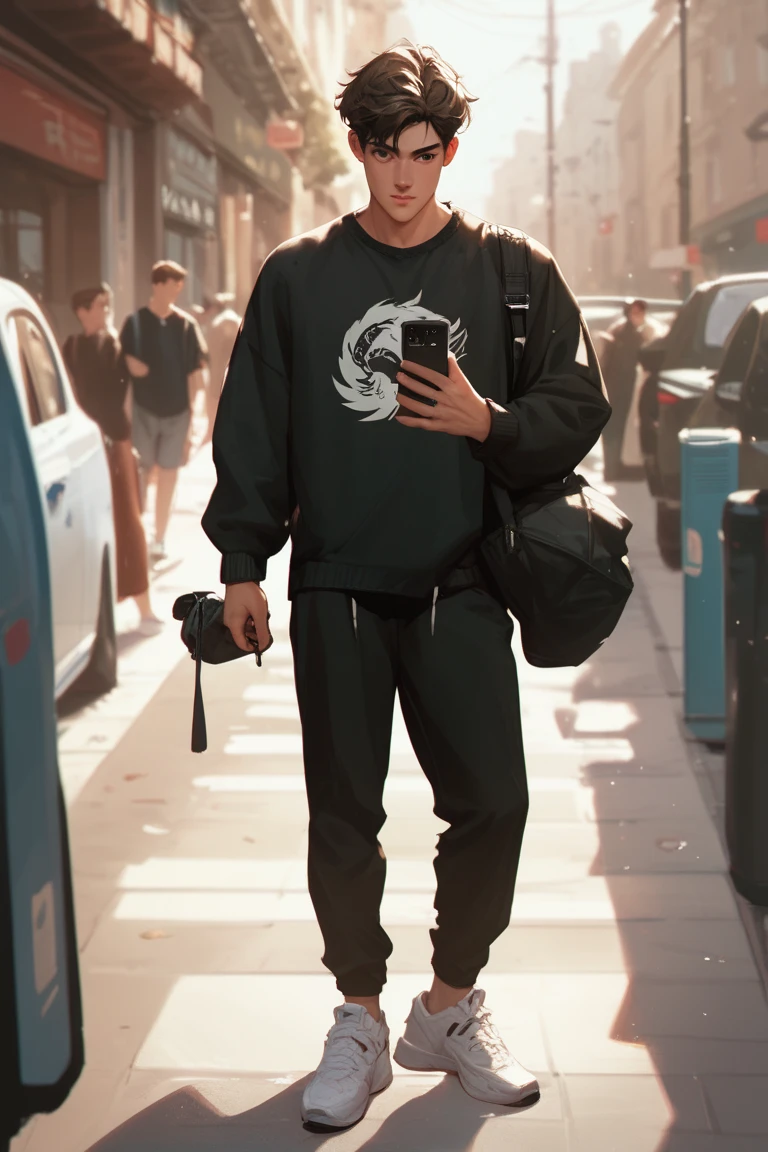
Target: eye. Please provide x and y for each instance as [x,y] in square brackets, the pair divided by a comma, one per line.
[380,154]
[427,156]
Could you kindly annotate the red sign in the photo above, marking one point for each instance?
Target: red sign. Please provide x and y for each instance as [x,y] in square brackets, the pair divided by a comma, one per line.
[605,227]
[761,230]
[50,126]
[285,135]
[693,254]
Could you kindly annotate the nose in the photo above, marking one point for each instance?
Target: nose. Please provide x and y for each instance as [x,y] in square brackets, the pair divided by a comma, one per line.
[403,177]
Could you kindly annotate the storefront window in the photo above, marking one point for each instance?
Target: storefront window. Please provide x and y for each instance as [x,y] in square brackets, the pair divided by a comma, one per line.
[22,248]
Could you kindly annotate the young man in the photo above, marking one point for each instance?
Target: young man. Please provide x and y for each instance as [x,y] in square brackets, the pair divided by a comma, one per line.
[164,350]
[220,324]
[618,359]
[386,501]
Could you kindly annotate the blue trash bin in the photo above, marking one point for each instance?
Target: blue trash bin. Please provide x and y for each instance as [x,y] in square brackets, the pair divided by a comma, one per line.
[709,473]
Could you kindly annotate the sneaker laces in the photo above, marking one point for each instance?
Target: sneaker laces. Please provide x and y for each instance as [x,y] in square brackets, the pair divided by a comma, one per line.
[483,1036]
[344,1051]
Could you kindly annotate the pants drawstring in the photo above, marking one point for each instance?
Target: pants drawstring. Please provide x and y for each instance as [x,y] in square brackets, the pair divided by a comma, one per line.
[354,615]
[434,603]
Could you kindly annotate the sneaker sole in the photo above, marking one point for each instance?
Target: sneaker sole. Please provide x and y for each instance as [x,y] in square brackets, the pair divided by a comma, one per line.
[415,1059]
[407,1055]
[321,1124]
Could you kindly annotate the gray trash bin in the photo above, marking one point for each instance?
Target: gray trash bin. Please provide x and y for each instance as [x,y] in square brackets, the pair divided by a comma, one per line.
[745,532]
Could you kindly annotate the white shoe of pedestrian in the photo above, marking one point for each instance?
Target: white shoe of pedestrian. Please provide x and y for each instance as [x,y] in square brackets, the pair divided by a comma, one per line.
[150,626]
[354,1066]
[157,550]
[463,1040]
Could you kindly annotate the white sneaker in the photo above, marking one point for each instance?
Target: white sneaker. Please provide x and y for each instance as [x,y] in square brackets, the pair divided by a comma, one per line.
[463,1040]
[158,551]
[354,1066]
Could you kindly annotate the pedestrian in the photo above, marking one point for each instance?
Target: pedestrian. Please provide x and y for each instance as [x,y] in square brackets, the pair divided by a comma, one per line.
[165,352]
[385,499]
[619,360]
[100,383]
[220,326]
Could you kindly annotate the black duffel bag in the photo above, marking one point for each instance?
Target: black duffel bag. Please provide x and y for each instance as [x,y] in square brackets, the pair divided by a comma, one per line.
[560,563]
[559,559]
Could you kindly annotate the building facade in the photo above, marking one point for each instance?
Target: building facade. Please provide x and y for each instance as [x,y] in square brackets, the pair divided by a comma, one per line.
[138,130]
[587,172]
[728,109]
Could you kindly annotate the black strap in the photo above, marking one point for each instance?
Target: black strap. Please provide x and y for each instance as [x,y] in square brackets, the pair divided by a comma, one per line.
[199,732]
[515,269]
[515,279]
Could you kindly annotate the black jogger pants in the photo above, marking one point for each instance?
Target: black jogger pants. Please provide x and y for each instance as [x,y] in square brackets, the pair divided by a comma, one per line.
[459,697]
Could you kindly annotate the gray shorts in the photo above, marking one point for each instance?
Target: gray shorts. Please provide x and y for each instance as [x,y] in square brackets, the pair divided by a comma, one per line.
[160,439]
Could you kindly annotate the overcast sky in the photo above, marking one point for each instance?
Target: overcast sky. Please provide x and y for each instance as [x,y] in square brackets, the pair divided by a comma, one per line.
[486,41]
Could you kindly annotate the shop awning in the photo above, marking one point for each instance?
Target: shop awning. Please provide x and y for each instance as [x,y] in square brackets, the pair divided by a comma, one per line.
[255,49]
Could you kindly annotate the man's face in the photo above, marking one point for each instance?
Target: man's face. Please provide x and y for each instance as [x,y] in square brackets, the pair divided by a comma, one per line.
[168,292]
[94,319]
[402,182]
[637,315]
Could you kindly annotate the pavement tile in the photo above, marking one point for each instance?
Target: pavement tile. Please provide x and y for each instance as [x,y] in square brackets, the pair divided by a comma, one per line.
[652,1101]
[605,1023]
[237,1024]
[424,1114]
[739,1103]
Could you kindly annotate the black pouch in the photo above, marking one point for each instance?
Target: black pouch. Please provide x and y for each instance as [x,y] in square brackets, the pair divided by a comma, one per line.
[208,639]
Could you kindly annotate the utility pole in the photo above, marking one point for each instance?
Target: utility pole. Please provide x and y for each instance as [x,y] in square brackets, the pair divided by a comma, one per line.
[684,179]
[550,61]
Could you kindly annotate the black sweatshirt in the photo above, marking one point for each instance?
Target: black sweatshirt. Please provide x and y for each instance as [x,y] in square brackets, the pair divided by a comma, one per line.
[304,441]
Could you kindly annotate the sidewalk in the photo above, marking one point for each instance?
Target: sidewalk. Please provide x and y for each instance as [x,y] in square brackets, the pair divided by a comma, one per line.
[625,979]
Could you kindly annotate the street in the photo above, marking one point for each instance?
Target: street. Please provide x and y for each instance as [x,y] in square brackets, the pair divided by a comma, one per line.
[625,980]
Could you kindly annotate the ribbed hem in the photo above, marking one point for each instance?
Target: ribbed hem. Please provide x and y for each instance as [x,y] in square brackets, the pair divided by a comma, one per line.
[241,567]
[505,429]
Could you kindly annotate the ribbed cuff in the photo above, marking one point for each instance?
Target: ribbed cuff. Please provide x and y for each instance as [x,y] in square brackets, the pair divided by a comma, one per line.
[241,567]
[505,428]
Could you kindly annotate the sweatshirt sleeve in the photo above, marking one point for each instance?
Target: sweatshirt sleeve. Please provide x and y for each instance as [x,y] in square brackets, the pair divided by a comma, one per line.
[249,510]
[560,406]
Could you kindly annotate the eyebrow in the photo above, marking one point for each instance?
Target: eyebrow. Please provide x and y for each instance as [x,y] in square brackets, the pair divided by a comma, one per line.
[416,151]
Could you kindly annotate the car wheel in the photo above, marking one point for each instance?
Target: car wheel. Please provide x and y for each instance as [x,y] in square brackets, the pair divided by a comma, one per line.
[101,673]
[668,535]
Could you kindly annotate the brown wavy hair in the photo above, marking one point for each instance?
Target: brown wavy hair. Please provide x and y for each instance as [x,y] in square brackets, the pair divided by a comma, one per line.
[407,84]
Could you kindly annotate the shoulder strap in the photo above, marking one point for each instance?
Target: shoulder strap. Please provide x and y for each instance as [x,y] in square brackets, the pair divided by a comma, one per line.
[515,261]
[136,325]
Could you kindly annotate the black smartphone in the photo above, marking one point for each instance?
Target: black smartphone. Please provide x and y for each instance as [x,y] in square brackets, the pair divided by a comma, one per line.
[425,342]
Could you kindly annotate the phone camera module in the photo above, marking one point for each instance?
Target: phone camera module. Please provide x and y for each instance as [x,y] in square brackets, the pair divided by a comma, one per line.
[415,338]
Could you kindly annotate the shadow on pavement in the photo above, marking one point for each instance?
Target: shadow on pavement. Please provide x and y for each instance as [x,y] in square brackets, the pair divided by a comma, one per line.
[443,1119]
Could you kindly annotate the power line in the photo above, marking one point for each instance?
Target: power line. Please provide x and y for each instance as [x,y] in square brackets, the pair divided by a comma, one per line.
[582,12]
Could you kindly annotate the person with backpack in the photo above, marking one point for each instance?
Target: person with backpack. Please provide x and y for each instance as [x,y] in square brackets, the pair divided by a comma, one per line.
[165,352]
[385,496]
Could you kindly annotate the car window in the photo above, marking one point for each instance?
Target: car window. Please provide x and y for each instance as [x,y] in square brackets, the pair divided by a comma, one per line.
[754,415]
[33,408]
[39,369]
[726,307]
[740,348]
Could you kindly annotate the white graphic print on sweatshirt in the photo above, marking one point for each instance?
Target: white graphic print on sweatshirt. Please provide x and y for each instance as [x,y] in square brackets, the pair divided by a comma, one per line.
[371,356]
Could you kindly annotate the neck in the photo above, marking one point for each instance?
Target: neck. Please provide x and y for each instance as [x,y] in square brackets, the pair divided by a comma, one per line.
[159,308]
[407,233]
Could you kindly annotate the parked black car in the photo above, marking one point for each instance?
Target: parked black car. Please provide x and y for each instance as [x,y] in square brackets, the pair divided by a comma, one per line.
[681,367]
[738,397]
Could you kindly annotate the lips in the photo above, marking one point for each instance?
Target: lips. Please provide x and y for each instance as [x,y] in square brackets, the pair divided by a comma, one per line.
[404,199]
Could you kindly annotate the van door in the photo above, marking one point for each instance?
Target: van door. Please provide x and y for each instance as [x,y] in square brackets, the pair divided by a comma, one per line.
[58,474]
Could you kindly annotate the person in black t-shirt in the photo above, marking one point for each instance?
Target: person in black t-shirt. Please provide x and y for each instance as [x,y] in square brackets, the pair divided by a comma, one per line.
[384,494]
[165,350]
